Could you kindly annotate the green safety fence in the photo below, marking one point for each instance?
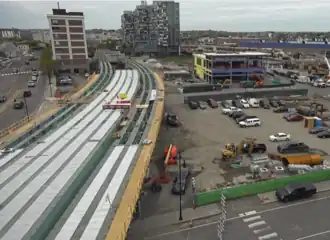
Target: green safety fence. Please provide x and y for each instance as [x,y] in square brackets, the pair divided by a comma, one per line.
[213,196]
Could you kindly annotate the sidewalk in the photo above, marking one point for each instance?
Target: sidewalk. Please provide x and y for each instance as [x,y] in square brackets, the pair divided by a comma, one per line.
[171,218]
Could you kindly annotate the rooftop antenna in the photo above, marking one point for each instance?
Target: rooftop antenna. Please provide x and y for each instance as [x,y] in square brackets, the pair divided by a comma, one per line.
[58,5]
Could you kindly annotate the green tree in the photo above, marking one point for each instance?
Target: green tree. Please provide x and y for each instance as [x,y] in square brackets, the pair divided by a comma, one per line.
[48,65]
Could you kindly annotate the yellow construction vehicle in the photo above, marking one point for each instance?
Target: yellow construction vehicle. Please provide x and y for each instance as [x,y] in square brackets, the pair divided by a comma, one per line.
[231,150]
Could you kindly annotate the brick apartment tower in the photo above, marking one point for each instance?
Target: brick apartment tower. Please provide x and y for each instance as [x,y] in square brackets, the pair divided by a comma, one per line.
[68,39]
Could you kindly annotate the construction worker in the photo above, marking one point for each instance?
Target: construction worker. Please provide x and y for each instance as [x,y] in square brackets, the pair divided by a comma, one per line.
[117,134]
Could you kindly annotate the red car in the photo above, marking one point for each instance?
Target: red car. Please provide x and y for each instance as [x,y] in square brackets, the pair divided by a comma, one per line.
[294,118]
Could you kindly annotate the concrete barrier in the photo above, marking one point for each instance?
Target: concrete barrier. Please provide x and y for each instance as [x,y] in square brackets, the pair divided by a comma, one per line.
[214,196]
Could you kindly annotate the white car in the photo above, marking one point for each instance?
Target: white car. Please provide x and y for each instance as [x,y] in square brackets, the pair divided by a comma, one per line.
[245,103]
[254,103]
[328,83]
[86,75]
[319,83]
[31,84]
[230,110]
[280,137]
[7,150]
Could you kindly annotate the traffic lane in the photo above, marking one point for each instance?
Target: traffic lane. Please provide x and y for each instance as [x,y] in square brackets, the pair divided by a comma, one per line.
[11,115]
[235,229]
[8,84]
[299,221]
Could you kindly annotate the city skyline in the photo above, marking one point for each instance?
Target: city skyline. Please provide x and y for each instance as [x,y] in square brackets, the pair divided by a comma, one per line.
[235,15]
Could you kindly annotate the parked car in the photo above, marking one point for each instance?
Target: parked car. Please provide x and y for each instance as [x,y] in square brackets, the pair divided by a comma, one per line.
[237,115]
[224,104]
[176,189]
[230,110]
[251,122]
[244,103]
[317,130]
[319,83]
[257,148]
[281,103]
[295,191]
[27,93]
[324,134]
[237,103]
[212,103]
[273,103]
[31,83]
[281,109]
[264,103]
[202,105]
[280,137]
[253,103]
[172,120]
[193,104]
[3,99]
[244,117]
[293,118]
[292,147]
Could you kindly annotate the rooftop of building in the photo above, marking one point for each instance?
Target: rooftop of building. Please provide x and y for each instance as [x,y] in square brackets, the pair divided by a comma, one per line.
[64,13]
[239,54]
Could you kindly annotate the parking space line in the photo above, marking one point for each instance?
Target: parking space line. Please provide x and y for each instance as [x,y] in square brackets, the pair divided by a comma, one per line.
[256,224]
[268,236]
[257,231]
[314,235]
[251,218]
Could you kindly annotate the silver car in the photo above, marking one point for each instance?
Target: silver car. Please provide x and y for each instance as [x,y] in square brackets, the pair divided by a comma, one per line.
[31,83]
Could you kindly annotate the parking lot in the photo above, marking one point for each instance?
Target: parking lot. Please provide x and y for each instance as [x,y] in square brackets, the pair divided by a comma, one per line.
[201,137]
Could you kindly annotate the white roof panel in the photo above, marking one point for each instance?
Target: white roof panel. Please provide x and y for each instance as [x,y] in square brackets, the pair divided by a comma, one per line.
[97,219]
[25,222]
[78,213]
[135,82]
[28,192]
[114,80]
[103,130]
[9,156]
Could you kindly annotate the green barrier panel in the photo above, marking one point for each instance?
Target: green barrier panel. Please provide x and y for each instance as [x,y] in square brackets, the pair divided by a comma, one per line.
[259,187]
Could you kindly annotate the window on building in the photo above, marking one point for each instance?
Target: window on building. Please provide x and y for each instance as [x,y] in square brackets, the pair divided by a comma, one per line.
[54,22]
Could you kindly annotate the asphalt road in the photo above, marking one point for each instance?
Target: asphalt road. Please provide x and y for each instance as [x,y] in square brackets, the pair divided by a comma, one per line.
[307,219]
[9,84]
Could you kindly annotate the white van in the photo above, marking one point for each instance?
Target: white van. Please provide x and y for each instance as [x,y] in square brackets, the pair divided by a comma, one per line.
[303,79]
[254,103]
[252,122]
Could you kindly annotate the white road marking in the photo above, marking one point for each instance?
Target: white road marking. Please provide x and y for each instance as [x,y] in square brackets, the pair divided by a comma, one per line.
[257,231]
[239,217]
[256,224]
[251,219]
[314,235]
[268,236]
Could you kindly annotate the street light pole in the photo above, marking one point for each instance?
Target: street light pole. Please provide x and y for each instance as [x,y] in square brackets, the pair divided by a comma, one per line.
[180,182]
[26,109]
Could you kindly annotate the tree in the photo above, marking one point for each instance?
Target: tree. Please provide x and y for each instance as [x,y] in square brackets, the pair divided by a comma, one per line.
[47,65]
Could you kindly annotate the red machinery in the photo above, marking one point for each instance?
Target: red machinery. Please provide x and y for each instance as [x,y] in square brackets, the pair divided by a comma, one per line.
[170,155]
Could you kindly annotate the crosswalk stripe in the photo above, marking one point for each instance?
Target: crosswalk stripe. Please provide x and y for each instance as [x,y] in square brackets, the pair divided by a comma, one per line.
[256,224]
[252,219]
[268,236]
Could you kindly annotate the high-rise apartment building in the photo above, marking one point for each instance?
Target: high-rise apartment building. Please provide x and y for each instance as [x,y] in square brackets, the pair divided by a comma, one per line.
[153,28]
[68,39]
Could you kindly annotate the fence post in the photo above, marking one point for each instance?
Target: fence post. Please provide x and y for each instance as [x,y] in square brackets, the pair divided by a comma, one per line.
[223,216]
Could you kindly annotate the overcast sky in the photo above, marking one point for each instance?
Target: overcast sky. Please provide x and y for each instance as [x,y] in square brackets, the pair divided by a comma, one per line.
[227,15]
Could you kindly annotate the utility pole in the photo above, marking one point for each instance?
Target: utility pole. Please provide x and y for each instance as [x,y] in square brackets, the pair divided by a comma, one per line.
[180,183]
[223,217]
[26,108]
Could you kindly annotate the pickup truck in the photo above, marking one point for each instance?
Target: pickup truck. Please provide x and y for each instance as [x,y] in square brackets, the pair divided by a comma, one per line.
[230,110]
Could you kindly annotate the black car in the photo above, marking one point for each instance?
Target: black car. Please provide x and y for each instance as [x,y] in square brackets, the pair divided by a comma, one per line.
[193,105]
[264,103]
[27,93]
[273,103]
[202,105]
[292,147]
[27,63]
[243,118]
[324,134]
[317,130]
[281,109]
[172,120]
[295,191]
[281,103]
[238,104]
[3,99]
[212,103]
[183,182]
[257,148]
[236,115]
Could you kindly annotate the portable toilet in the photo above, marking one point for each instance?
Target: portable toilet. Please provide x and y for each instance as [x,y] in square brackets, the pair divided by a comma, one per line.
[318,122]
[309,122]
